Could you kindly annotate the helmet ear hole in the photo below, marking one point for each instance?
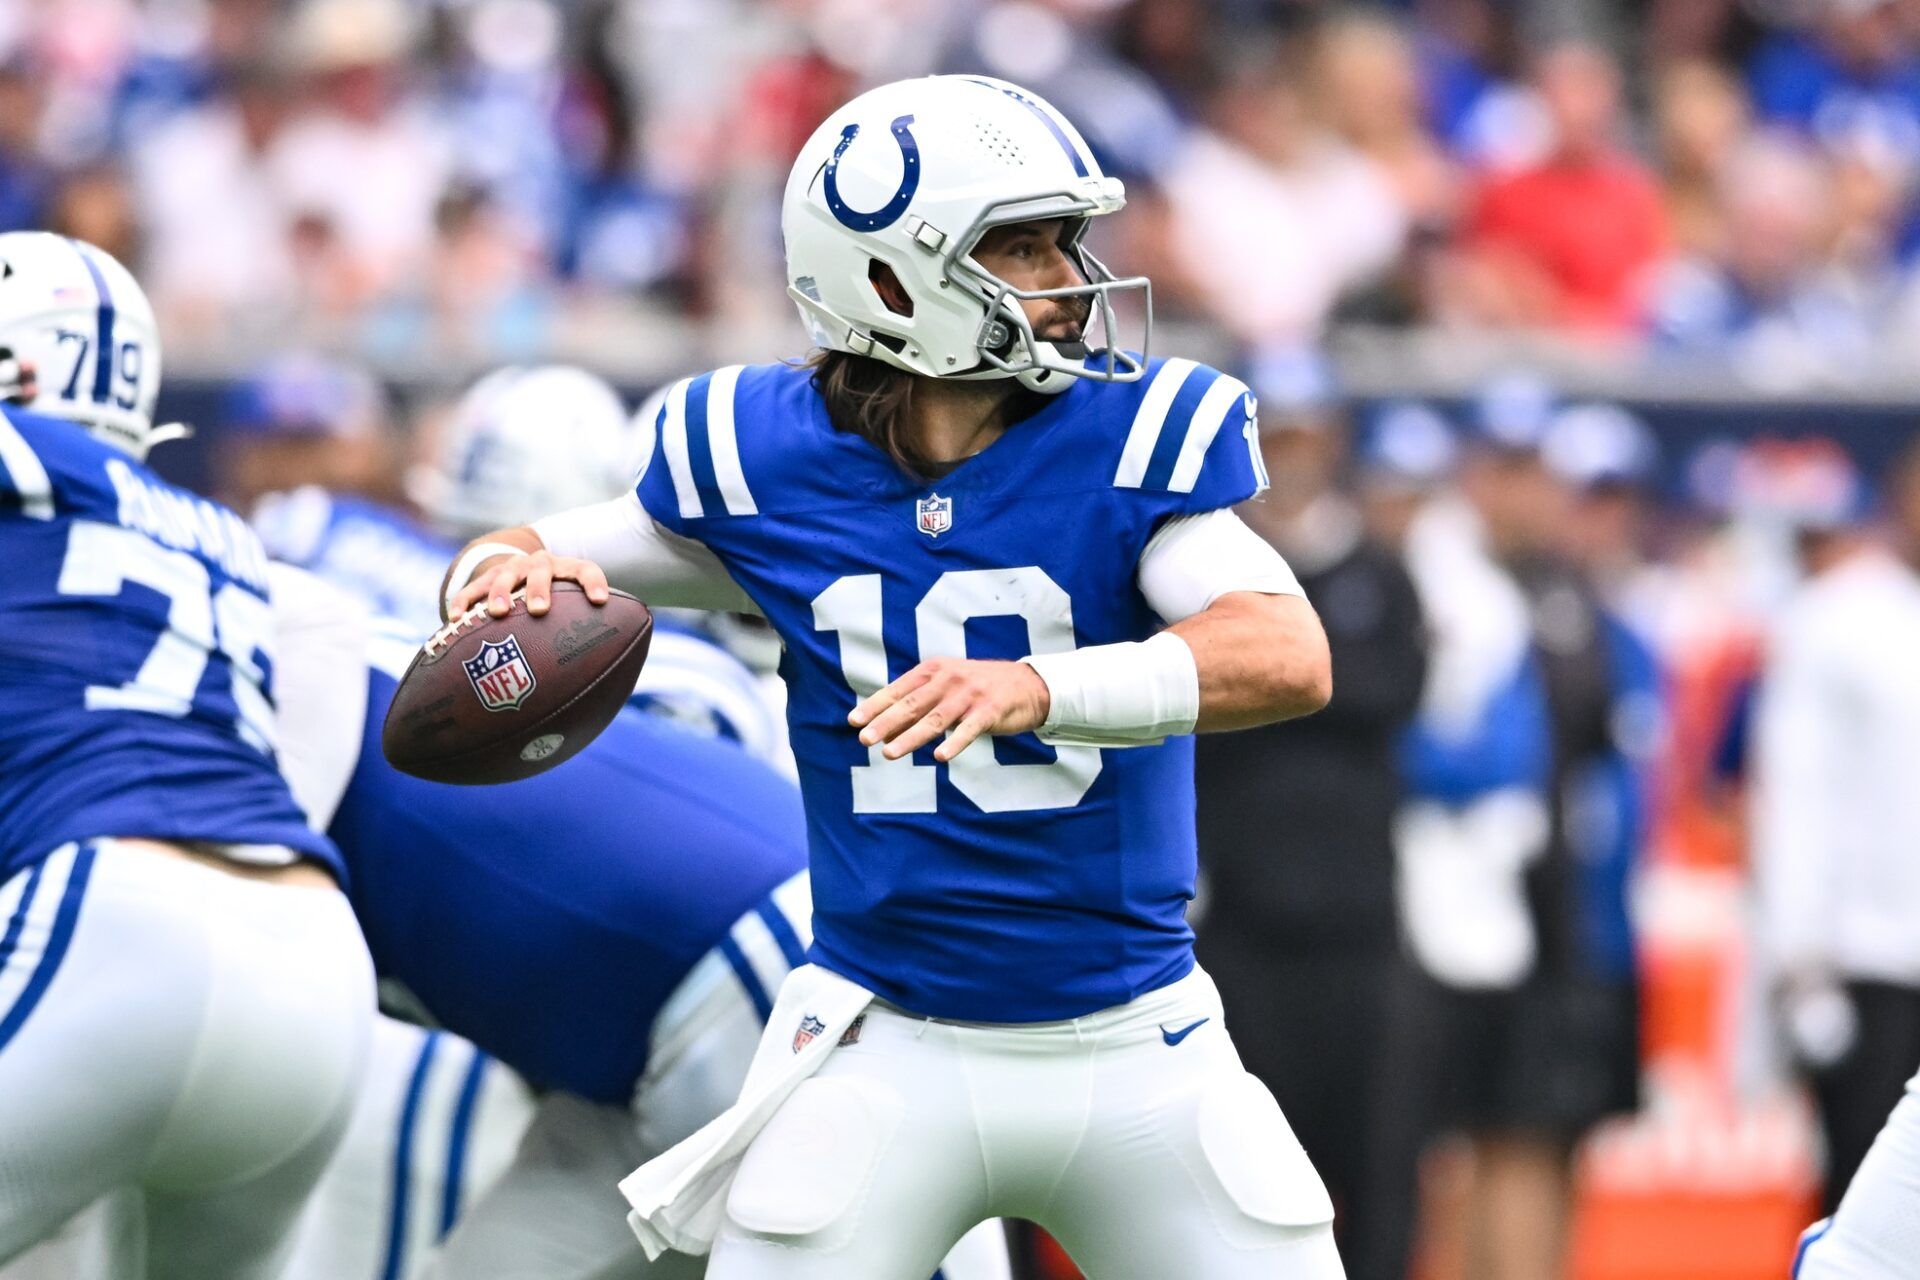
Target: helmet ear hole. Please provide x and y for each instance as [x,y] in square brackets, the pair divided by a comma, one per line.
[893,294]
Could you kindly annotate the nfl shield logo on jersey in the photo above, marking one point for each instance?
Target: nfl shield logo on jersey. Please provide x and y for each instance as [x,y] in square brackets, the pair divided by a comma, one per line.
[810,1027]
[500,675]
[935,514]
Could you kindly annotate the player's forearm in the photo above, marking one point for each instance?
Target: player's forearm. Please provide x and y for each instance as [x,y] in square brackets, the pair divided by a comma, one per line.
[1260,658]
[641,558]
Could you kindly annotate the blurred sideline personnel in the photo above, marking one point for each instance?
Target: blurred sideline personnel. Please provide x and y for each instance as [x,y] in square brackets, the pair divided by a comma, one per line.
[520,442]
[611,930]
[1836,822]
[960,476]
[1296,820]
[184,996]
[1517,1025]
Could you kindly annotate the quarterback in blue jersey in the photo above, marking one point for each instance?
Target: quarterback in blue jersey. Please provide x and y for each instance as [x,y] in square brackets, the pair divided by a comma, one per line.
[162,899]
[1002,558]
[612,931]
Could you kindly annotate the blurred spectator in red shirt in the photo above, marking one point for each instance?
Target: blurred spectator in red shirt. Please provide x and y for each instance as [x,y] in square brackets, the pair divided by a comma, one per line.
[1570,242]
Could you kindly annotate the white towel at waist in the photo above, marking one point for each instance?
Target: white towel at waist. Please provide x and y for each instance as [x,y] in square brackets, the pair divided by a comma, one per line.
[679,1197]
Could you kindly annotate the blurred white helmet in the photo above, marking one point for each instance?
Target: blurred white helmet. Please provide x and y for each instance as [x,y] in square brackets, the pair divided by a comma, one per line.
[524,443]
[912,174]
[73,319]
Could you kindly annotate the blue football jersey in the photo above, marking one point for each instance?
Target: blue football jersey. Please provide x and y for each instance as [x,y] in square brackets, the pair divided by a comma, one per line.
[136,682]
[1021,882]
[548,920]
[377,553]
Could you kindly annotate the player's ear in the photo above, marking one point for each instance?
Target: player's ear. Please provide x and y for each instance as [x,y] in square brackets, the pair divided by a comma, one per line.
[888,286]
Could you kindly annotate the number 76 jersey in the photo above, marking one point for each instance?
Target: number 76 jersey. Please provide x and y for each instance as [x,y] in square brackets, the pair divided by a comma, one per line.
[135,678]
[1020,882]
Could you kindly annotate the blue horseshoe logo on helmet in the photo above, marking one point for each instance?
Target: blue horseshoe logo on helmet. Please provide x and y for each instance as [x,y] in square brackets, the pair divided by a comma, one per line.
[889,213]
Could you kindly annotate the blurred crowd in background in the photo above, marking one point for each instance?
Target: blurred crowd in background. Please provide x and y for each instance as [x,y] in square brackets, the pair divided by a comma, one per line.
[1612,814]
[1727,180]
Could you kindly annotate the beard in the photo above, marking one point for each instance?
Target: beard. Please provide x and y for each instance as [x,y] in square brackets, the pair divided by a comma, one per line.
[1065,321]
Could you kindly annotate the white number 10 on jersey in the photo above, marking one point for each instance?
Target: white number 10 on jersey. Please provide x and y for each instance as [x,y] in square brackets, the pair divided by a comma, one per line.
[851,607]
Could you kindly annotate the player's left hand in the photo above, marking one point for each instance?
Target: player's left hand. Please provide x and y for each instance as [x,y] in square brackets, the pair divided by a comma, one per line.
[960,697]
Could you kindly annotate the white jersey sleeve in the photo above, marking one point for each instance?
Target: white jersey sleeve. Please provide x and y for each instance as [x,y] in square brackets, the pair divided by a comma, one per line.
[640,557]
[1193,560]
[320,687]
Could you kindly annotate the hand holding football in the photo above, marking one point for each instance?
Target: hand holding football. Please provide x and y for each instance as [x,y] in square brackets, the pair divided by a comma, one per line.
[491,700]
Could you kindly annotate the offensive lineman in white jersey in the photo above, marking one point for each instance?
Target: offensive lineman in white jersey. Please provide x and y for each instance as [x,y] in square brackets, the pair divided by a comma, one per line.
[1009,584]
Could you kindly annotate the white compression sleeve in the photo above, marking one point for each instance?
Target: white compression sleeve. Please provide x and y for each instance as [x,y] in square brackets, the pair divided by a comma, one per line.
[320,635]
[1191,561]
[1135,694]
[640,557]
[1131,694]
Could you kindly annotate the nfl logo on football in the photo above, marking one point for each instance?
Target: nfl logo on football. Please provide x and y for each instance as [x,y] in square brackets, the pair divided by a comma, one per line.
[935,514]
[500,675]
[810,1028]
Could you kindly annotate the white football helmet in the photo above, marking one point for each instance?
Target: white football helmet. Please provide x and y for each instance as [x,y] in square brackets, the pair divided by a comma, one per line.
[78,340]
[524,443]
[912,174]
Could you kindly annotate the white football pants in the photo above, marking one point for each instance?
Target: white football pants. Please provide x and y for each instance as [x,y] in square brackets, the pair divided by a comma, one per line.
[1133,1135]
[556,1215]
[1875,1234]
[436,1124]
[185,1041]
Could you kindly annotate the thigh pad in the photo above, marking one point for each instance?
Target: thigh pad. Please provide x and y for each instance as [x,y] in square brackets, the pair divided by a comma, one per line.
[1260,1164]
[813,1164]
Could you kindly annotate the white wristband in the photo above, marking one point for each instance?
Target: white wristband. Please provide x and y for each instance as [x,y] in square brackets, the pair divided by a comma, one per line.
[1119,695]
[469,561]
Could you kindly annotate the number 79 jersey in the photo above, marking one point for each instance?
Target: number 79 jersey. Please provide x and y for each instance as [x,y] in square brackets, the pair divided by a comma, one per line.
[1020,882]
[135,681]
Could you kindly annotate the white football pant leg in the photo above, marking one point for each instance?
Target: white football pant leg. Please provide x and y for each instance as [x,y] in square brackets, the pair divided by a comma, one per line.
[1875,1234]
[555,1214]
[435,1125]
[186,1035]
[1134,1135]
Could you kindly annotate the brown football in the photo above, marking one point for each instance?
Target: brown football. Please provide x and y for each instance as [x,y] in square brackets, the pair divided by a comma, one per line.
[499,699]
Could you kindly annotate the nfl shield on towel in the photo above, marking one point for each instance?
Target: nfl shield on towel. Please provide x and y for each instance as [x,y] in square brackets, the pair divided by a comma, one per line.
[810,1027]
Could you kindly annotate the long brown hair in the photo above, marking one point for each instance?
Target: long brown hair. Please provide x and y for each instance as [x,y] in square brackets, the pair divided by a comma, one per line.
[874,400]
[870,399]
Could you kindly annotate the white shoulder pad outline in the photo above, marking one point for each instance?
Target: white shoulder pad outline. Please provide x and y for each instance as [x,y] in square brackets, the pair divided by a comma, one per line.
[702,445]
[1197,432]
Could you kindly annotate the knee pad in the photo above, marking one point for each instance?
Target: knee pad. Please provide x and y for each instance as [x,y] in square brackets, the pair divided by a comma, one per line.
[1261,1166]
[810,1169]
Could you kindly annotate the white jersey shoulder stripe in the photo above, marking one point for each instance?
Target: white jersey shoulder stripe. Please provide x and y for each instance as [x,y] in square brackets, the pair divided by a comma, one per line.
[1148,421]
[673,439]
[1208,418]
[30,481]
[723,440]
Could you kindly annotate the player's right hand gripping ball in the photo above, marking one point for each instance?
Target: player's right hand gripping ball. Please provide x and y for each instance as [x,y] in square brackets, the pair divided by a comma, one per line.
[499,699]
